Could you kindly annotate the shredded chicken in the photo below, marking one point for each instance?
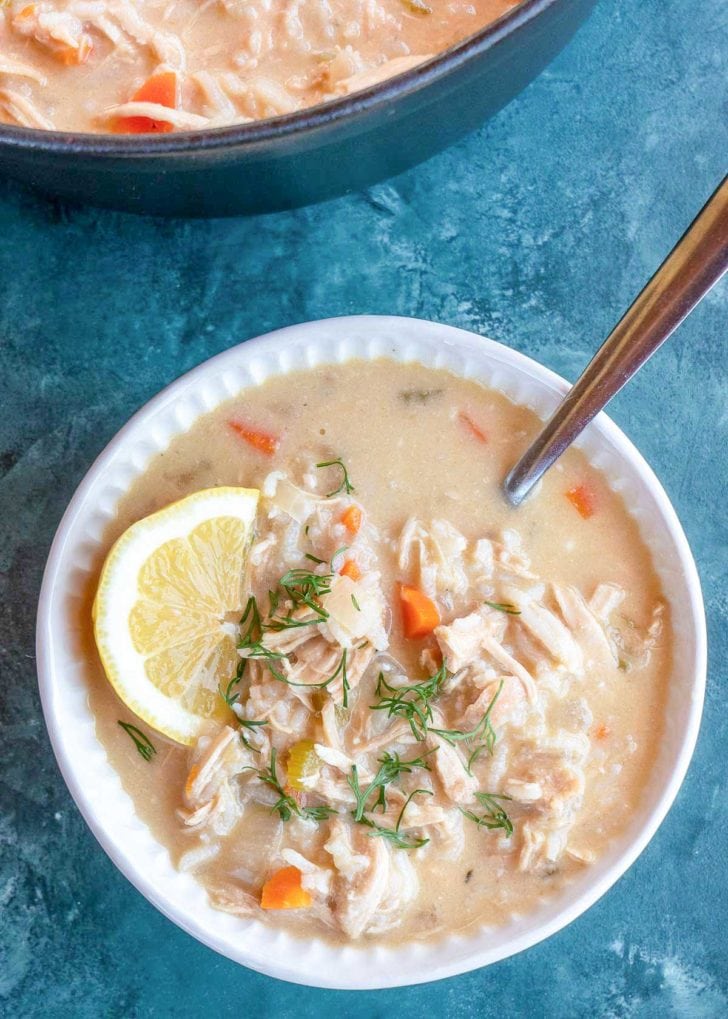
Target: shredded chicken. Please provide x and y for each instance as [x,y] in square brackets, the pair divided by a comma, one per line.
[15,68]
[363,873]
[21,110]
[463,640]
[502,696]
[457,784]
[586,627]
[209,797]
[551,633]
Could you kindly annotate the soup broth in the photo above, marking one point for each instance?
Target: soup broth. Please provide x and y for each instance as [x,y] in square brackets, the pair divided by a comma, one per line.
[561,637]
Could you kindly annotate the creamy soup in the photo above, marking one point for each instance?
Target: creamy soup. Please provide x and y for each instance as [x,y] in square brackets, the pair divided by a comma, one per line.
[161,65]
[459,768]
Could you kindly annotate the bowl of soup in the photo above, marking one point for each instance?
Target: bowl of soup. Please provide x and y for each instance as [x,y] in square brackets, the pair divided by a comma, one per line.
[221,108]
[325,698]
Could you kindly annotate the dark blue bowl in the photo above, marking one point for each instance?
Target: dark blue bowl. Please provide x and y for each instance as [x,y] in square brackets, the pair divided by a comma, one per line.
[302,157]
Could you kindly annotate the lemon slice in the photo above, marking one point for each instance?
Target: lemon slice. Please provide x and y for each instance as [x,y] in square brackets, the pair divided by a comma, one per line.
[171,591]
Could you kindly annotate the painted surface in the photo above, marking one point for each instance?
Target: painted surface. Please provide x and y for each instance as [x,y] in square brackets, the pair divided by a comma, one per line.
[537,231]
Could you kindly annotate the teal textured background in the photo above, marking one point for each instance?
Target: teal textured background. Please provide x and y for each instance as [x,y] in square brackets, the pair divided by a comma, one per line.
[538,231]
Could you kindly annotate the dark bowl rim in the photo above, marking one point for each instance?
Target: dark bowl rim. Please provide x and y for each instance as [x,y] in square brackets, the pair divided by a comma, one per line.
[308,120]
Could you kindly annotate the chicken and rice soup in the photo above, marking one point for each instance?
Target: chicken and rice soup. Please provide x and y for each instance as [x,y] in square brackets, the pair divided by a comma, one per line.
[162,65]
[427,712]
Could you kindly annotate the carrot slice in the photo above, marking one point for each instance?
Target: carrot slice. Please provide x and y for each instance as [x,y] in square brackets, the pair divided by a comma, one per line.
[471,426]
[283,891]
[351,519]
[264,442]
[582,498]
[420,615]
[161,88]
[350,570]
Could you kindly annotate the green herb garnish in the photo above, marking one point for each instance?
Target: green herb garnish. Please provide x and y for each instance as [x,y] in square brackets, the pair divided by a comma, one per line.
[250,723]
[144,745]
[303,589]
[301,585]
[394,835]
[504,606]
[340,671]
[346,485]
[494,815]
[483,731]
[251,639]
[227,694]
[344,681]
[251,617]
[390,767]
[410,702]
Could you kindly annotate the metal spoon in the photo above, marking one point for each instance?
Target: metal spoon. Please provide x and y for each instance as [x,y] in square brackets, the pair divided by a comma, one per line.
[697,261]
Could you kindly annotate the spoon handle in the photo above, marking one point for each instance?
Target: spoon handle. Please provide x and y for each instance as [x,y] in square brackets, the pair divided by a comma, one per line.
[697,261]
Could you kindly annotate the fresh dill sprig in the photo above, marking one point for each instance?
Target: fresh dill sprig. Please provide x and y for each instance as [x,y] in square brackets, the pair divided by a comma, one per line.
[483,732]
[250,723]
[346,485]
[252,643]
[360,795]
[302,588]
[286,805]
[338,552]
[410,702]
[144,745]
[390,767]
[397,838]
[227,693]
[340,670]
[394,835]
[344,680]
[250,621]
[494,816]
[313,558]
[504,606]
[251,639]
[474,755]
[251,627]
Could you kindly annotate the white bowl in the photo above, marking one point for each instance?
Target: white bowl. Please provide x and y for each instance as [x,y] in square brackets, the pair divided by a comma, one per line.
[94,784]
